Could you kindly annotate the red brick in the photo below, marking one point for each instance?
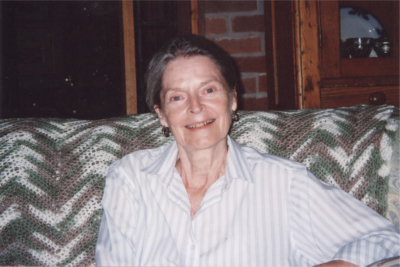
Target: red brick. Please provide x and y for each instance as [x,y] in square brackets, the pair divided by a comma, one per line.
[229,6]
[252,64]
[240,45]
[215,26]
[249,84]
[262,83]
[248,23]
[251,103]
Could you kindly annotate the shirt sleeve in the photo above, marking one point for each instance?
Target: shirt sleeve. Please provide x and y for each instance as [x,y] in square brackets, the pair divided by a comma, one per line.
[329,224]
[115,245]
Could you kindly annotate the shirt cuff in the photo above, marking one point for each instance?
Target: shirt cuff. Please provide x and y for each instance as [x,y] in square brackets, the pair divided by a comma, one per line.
[365,252]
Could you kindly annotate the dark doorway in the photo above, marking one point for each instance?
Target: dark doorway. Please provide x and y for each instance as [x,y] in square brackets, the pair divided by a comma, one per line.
[65,58]
[155,23]
[61,59]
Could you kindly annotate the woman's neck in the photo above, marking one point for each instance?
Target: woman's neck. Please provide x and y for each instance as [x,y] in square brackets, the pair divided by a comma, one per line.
[199,169]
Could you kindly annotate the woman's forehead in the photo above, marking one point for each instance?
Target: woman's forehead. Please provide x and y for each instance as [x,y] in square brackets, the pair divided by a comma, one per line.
[193,70]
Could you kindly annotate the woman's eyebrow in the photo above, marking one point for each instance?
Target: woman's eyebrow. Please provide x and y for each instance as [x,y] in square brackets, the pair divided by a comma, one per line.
[168,89]
[209,81]
[200,85]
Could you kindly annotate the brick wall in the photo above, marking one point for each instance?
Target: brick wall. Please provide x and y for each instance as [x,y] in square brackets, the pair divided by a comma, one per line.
[238,27]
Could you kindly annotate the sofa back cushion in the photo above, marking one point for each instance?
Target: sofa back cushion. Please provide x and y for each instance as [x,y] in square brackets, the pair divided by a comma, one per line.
[53,171]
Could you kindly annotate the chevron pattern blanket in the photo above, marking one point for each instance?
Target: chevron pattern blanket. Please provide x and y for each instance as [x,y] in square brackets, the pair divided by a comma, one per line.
[52,171]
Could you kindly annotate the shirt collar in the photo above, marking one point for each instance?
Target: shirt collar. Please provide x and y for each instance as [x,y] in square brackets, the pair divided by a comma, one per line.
[163,165]
[237,167]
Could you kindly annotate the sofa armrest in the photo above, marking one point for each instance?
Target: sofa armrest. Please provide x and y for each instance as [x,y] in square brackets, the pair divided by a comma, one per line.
[393,201]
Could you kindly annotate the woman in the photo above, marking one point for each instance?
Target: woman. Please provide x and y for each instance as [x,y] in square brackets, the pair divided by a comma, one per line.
[206,201]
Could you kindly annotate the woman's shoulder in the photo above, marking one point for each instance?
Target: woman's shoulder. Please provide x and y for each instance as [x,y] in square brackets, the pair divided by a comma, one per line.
[139,159]
[256,157]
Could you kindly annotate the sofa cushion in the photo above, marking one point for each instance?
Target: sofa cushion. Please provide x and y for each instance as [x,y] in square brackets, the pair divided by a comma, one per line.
[53,171]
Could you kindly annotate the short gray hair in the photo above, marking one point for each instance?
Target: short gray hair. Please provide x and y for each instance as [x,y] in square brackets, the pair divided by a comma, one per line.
[188,46]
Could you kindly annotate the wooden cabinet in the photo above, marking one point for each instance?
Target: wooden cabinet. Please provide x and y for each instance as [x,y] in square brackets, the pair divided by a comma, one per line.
[325,78]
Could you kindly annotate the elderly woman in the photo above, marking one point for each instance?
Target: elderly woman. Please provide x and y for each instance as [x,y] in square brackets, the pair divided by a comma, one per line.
[205,201]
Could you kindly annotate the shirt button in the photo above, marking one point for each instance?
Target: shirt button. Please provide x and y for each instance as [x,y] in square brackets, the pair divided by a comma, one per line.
[192,247]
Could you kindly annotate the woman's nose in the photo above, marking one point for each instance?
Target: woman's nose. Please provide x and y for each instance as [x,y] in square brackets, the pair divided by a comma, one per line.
[195,105]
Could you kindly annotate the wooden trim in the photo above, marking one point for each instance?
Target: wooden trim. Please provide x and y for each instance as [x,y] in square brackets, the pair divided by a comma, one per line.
[353,67]
[129,57]
[310,53]
[195,16]
[349,96]
[274,53]
[360,81]
[297,55]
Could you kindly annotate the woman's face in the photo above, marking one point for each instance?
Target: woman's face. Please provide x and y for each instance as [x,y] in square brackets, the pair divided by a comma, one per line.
[195,102]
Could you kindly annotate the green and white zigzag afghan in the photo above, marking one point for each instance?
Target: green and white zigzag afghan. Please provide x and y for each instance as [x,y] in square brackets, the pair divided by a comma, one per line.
[52,171]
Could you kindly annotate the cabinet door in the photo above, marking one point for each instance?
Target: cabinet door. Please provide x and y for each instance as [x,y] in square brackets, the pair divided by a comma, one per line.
[386,13]
[348,78]
[329,78]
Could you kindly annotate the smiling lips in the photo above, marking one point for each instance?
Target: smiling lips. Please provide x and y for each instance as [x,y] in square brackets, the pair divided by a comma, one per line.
[198,125]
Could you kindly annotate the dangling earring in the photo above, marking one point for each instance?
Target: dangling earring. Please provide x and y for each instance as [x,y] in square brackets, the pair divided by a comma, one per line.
[235,116]
[165,131]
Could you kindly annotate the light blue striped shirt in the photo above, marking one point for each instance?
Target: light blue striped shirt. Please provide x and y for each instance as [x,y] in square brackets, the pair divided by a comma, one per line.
[265,211]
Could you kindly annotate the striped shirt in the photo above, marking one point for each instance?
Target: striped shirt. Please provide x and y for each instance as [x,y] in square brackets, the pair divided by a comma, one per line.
[265,211]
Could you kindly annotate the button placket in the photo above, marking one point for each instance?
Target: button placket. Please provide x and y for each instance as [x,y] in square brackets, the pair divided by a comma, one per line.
[192,255]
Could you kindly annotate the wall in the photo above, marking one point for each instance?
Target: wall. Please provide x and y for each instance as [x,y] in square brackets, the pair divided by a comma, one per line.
[238,27]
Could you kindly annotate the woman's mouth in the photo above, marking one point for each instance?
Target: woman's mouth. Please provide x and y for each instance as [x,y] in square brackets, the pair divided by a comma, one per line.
[201,124]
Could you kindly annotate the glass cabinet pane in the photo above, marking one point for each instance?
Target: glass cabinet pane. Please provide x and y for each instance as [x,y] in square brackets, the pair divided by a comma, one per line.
[366,29]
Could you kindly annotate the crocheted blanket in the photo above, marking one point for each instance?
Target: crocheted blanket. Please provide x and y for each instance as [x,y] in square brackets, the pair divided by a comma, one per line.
[52,171]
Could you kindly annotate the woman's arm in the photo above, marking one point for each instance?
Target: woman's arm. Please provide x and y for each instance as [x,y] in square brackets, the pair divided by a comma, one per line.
[330,225]
[115,243]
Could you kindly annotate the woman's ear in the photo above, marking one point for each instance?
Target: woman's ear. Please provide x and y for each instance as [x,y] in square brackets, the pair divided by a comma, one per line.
[234,100]
[161,116]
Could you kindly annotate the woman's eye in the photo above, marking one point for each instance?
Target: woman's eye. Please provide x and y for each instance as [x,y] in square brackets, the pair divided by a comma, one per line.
[209,90]
[176,98]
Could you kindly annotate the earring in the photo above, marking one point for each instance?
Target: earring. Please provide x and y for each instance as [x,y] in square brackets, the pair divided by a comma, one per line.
[165,131]
[235,116]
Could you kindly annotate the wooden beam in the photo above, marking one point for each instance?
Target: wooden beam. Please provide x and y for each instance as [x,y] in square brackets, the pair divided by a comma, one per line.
[274,53]
[297,54]
[310,53]
[195,16]
[129,56]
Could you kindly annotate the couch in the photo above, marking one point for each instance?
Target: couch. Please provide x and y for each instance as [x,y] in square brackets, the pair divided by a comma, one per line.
[52,171]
